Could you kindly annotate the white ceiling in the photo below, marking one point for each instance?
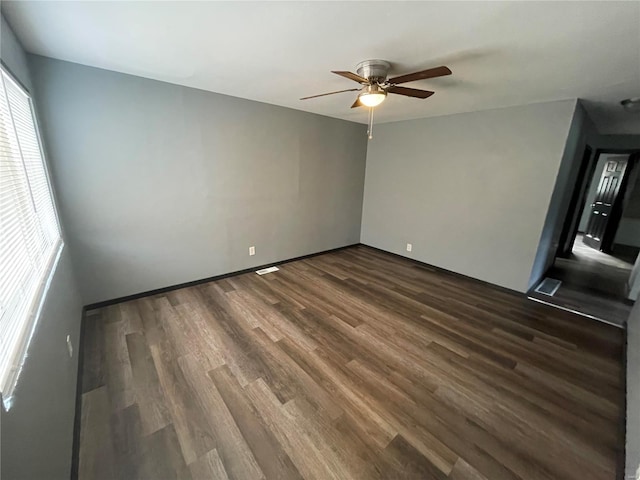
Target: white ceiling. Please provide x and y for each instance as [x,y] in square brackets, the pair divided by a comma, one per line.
[501,53]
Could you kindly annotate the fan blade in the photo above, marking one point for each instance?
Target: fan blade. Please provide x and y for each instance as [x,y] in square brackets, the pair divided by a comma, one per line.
[356,103]
[351,76]
[330,93]
[430,73]
[410,92]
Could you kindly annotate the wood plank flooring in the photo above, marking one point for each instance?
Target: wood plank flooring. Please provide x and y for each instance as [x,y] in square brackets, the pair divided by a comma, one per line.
[593,282]
[354,364]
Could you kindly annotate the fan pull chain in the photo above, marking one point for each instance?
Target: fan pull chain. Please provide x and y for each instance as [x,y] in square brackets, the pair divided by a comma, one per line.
[370,130]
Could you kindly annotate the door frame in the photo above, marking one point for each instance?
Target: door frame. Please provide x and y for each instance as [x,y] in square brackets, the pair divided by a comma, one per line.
[578,199]
[580,191]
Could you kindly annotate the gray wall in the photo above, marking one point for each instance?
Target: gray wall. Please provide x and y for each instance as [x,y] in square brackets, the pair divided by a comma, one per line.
[632,450]
[162,184]
[13,55]
[628,232]
[616,142]
[36,433]
[582,128]
[469,191]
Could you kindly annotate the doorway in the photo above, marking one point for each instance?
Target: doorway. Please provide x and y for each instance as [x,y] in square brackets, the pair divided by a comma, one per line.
[600,240]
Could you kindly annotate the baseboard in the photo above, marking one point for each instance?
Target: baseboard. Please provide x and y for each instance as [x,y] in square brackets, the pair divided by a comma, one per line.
[75,450]
[450,272]
[622,453]
[621,464]
[75,456]
[158,291]
[78,414]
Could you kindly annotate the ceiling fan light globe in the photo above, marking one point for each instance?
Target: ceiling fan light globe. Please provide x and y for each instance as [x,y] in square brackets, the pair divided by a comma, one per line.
[372,99]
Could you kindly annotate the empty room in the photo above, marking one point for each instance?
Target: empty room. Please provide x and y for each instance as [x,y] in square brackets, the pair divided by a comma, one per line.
[319,240]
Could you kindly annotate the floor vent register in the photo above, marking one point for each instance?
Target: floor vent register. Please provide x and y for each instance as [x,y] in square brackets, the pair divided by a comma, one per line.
[549,286]
[264,271]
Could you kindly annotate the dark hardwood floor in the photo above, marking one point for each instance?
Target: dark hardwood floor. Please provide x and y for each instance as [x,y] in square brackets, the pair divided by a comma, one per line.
[593,282]
[353,364]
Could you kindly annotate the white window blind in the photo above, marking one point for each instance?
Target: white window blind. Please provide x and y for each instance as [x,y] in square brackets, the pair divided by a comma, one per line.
[29,231]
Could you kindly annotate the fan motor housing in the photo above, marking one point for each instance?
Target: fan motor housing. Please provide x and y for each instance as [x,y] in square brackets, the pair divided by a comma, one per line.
[373,70]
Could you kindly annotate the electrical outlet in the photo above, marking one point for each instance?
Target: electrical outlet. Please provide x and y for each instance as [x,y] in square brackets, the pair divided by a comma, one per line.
[409,247]
[252,251]
[69,346]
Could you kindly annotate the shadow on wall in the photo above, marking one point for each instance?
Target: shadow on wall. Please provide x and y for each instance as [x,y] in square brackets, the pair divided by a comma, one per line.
[582,128]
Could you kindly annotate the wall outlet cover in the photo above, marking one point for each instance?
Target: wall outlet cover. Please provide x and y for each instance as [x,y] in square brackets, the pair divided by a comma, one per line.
[252,251]
[409,247]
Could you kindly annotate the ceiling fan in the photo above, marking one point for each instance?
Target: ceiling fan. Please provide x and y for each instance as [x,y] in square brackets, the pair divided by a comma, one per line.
[372,76]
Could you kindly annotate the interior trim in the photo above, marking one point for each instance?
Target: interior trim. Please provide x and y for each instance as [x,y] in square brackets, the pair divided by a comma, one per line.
[158,291]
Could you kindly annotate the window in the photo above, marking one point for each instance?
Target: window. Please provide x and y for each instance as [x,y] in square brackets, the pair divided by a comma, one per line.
[30,239]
